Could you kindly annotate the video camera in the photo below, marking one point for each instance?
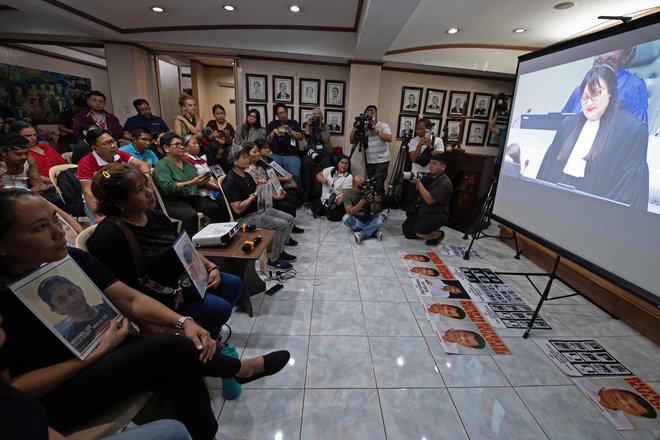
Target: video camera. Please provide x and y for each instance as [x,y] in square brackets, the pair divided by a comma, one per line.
[406,135]
[368,189]
[315,122]
[364,122]
[330,200]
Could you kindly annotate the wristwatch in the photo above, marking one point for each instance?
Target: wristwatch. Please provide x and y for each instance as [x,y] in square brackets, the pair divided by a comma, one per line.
[179,323]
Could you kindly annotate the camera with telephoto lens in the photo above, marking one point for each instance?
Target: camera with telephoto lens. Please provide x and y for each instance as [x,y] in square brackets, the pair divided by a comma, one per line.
[314,155]
[500,102]
[368,190]
[364,122]
[406,134]
[315,122]
[409,175]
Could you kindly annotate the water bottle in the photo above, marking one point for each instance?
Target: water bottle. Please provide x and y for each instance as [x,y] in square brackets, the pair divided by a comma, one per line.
[230,388]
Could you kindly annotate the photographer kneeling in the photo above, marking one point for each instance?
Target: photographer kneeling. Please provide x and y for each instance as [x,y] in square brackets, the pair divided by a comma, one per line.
[430,210]
[334,180]
[363,210]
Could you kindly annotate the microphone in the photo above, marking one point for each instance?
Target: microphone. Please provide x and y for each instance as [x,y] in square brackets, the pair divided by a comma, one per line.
[249,246]
[247,227]
[525,169]
[529,110]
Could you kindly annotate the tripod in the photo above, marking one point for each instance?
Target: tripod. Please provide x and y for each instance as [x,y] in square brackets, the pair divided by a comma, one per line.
[399,164]
[361,144]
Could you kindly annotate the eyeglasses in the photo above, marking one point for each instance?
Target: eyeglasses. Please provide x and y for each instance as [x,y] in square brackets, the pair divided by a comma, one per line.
[593,98]
[177,145]
[108,143]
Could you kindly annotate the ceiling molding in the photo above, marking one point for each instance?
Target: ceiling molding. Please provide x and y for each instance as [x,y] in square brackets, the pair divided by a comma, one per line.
[293,60]
[51,42]
[367,63]
[510,78]
[128,43]
[52,55]
[86,16]
[462,46]
[79,49]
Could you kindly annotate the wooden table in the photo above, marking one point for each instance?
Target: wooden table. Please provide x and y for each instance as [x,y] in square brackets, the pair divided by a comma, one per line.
[232,259]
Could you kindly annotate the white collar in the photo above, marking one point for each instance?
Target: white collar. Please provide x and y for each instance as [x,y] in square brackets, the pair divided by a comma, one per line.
[102,162]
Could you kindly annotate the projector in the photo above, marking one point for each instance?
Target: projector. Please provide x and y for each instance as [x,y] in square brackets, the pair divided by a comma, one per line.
[215,234]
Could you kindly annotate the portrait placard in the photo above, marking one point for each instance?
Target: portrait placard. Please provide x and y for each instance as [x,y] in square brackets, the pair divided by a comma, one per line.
[68,303]
[185,251]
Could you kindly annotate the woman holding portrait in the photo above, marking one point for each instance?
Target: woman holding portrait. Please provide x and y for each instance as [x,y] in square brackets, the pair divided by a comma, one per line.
[601,150]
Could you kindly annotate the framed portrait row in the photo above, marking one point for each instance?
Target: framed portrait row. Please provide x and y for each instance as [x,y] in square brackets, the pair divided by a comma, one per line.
[283,90]
[333,117]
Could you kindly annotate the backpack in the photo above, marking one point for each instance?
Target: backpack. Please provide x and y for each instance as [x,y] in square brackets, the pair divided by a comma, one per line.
[71,190]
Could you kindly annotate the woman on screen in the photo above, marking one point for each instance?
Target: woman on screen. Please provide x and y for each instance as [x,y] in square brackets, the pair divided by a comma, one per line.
[602,150]
[75,391]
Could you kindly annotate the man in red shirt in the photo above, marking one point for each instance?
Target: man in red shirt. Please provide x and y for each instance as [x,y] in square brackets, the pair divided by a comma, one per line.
[104,151]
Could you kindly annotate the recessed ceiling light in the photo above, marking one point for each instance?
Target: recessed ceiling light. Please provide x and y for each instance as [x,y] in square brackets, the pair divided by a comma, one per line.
[564,5]
[520,30]
[157,9]
[294,8]
[229,8]
[452,31]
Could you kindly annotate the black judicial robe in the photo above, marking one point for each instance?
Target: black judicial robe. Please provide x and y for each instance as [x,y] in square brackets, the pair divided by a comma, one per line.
[620,173]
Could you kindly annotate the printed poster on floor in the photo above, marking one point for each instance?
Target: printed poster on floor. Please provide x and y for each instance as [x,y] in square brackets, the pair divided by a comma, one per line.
[483,285]
[627,402]
[425,265]
[454,250]
[451,310]
[467,337]
[582,358]
[511,316]
[68,303]
[450,289]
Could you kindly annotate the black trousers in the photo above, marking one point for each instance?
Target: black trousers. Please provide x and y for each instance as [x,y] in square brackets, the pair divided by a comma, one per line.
[421,224]
[333,215]
[186,209]
[378,171]
[166,364]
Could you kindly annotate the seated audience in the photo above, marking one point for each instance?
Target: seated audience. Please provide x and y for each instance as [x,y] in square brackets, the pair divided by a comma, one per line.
[250,130]
[144,119]
[211,189]
[140,146]
[363,211]
[178,184]
[74,391]
[283,201]
[45,156]
[125,194]
[430,210]
[216,158]
[287,181]
[241,192]
[283,136]
[82,148]
[95,114]
[186,123]
[334,180]
[104,151]
[223,131]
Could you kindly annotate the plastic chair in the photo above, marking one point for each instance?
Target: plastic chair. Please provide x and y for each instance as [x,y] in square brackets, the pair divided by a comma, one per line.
[178,223]
[57,169]
[231,216]
[67,156]
[81,240]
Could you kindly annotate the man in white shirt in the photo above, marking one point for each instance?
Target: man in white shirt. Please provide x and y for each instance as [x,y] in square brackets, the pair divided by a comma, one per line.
[378,152]
[423,141]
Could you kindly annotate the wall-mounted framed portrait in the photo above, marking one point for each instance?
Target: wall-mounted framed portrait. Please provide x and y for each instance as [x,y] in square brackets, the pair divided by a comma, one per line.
[406,122]
[261,108]
[304,113]
[458,102]
[283,89]
[335,92]
[257,87]
[453,131]
[335,121]
[411,98]
[481,105]
[309,90]
[476,133]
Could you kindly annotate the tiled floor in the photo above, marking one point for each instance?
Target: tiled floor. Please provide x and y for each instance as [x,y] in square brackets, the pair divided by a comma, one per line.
[366,365]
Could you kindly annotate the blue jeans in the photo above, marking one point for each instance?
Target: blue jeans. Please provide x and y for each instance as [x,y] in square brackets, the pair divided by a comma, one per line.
[159,430]
[292,164]
[366,230]
[215,309]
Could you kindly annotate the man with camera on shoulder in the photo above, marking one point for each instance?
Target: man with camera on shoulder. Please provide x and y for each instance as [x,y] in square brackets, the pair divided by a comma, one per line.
[377,152]
[319,150]
[363,210]
[430,211]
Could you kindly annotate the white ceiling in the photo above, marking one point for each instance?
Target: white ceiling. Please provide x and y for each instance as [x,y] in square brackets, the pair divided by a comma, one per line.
[402,32]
